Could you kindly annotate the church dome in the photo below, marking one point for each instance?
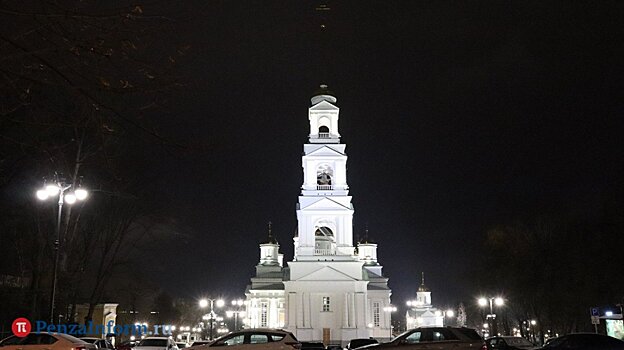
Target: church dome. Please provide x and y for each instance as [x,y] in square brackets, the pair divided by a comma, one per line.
[323,94]
[270,239]
[366,240]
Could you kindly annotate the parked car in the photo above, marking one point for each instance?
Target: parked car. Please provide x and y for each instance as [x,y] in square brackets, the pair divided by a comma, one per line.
[255,339]
[128,345]
[509,343]
[45,341]
[156,343]
[201,342]
[442,338]
[358,343]
[309,345]
[584,341]
[99,342]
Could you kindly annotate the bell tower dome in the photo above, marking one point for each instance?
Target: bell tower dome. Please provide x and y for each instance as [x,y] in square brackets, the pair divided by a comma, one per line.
[323,116]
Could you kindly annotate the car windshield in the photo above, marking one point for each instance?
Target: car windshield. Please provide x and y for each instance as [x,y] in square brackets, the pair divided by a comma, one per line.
[519,341]
[153,342]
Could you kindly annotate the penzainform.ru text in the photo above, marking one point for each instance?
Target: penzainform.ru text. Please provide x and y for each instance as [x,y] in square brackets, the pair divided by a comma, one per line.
[90,328]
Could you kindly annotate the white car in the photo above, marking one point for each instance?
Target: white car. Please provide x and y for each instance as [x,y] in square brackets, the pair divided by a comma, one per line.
[255,339]
[156,343]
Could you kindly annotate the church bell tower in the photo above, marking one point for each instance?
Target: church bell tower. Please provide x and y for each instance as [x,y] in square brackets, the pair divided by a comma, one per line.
[324,211]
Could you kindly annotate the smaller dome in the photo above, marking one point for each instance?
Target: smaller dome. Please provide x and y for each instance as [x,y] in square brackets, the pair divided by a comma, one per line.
[366,240]
[422,287]
[270,239]
[323,94]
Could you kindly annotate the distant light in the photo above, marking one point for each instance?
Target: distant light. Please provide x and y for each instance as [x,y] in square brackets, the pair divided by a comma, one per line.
[409,303]
[533,322]
[81,194]
[485,325]
[203,303]
[132,337]
[499,301]
[482,301]
[609,313]
[438,313]
[42,194]
[450,313]
[229,313]
[70,198]
[220,303]
[52,190]
[370,325]
[173,328]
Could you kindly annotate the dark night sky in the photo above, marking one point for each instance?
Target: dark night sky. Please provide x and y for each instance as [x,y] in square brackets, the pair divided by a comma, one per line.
[457,116]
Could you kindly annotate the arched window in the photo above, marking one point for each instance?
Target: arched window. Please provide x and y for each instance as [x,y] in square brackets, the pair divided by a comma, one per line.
[323,132]
[323,179]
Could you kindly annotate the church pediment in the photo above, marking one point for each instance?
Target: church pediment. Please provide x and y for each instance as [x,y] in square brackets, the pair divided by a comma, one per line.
[323,106]
[327,273]
[325,203]
[325,151]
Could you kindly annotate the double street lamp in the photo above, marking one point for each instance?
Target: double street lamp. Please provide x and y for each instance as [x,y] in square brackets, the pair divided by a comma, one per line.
[58,188]
[236,313]
[211,316]
[491,317]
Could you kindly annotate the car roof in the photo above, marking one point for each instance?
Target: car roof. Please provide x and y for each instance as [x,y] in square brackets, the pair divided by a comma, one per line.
[159,338]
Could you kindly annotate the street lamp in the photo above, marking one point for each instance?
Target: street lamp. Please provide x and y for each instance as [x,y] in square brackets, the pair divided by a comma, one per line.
[236,313]
[203,303]
[390,309]
[59,187]
[491,317]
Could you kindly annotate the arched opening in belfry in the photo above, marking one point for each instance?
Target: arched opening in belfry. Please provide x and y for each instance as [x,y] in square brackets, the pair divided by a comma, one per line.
[323,130]
[323,239]
[324,174]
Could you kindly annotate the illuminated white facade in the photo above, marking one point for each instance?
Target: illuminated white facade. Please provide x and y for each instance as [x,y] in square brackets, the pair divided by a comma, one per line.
[330,291]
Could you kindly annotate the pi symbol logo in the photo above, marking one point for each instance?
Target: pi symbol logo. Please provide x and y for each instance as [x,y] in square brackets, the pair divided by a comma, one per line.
[21,327]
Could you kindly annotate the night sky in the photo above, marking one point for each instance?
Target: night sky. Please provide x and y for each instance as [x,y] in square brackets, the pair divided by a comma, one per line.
[457,116]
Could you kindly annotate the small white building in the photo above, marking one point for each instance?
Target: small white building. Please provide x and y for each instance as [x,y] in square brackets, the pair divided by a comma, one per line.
[333,290]
[421,312]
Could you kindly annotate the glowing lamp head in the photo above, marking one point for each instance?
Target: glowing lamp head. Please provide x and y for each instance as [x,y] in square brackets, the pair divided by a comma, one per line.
[52,190]
[482,301]
[438,313]
[229,313]
[42,195]
[533,322]
[70,198]
[499,301]
[203,303]
[81,194]
[220,303]
[450,313]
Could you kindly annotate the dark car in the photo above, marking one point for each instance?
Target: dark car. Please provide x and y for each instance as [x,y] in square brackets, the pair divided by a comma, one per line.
[509,343]
[308,345]
[358,343]
[584,341]
[333,347]
[442,338]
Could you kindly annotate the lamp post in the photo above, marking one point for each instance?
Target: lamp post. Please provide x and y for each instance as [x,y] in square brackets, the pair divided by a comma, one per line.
[49,191]
[203,303]
[236,313]
[491,317]
[389,310]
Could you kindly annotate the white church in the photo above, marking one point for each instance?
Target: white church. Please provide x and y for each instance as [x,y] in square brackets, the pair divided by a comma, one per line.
[334,289]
